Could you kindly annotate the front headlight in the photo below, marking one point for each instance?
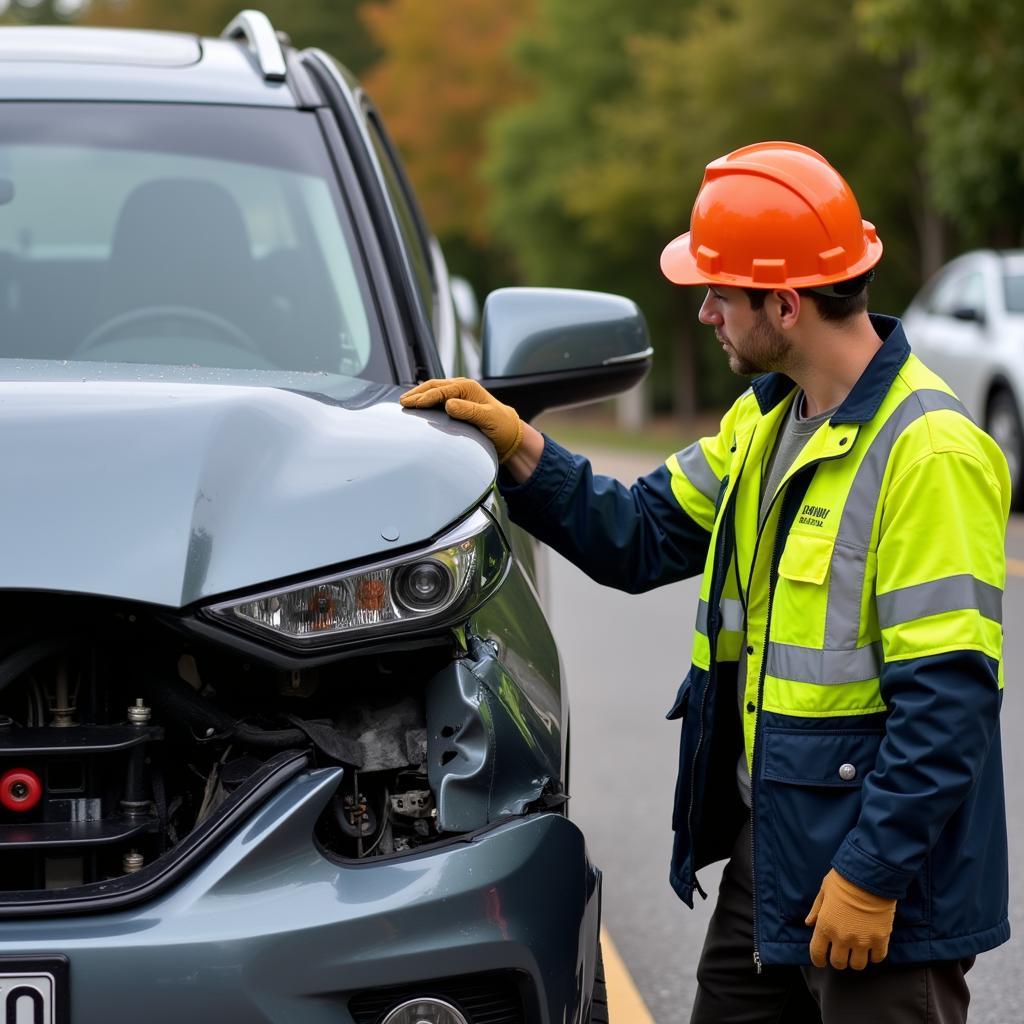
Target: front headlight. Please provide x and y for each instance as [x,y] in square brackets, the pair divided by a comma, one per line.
[441,584]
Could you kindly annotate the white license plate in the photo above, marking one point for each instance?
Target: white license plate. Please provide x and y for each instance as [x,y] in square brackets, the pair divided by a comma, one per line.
[33,990]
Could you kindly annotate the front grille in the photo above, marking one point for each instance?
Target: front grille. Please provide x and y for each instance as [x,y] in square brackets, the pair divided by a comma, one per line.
[494,998]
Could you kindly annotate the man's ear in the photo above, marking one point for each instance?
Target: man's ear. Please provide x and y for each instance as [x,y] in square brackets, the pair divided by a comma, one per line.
[786,303]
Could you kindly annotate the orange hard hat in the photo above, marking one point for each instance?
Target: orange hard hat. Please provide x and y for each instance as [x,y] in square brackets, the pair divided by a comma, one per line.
[772,215]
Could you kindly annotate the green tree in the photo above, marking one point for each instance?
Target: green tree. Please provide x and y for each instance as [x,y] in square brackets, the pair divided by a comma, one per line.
[577,59]
[727,74]
[964,68]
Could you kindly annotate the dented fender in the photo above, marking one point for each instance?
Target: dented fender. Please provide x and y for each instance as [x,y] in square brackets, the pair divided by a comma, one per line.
[489,753]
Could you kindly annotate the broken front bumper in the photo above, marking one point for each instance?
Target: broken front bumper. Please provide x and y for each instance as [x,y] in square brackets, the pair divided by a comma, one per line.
[267,929]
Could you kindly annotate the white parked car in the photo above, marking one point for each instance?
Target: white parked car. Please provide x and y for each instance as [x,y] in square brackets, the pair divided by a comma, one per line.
[967,324]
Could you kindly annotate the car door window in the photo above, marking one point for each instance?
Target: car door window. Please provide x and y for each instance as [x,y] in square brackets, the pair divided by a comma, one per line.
[944,297]
[972,294]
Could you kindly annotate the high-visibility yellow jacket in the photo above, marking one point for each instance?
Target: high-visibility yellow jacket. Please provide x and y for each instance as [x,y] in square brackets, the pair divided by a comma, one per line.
[869,603]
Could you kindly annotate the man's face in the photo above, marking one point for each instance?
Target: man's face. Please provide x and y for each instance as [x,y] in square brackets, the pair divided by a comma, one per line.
[750,341]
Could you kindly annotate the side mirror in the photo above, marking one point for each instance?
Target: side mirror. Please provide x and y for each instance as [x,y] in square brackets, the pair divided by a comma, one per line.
[969,314]
[544,348]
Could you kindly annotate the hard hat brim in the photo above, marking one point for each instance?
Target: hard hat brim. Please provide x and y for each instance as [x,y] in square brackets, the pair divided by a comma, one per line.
[679,265]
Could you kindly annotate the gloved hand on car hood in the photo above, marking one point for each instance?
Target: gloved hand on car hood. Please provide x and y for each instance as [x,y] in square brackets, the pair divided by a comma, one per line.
[468,400]
[856,923]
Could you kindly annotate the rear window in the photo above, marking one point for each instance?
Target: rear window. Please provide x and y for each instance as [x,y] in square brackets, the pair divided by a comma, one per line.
[178,235]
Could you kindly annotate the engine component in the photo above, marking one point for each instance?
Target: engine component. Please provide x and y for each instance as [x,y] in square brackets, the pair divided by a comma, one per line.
[132,861]
[119,746]
[138,713]
[20,789]
[176,701]
[136,803]
[355,817]
[81,792]
[414,803]
[63,699]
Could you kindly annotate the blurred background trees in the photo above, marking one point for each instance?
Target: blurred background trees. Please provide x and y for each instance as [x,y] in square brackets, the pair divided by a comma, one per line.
[562,142]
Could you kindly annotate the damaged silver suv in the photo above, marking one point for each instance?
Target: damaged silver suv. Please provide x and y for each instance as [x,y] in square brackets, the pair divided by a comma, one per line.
[283,735]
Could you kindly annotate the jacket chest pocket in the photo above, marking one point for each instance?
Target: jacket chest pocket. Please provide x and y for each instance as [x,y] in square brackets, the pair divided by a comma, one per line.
[806,558]
[801,591]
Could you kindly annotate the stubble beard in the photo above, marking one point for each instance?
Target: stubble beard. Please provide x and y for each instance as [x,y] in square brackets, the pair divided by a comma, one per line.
[764,349]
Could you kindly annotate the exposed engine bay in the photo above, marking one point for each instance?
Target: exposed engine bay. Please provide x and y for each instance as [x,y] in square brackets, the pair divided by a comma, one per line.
[120,742]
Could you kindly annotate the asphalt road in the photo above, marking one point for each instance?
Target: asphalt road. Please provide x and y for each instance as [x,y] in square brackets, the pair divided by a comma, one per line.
[624,656]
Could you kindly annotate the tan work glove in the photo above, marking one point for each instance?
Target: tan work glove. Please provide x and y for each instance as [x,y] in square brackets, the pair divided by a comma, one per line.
[856,923]
[469,400]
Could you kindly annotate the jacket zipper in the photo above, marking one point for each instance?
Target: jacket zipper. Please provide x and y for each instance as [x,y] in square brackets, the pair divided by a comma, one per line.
[712,633]
[712,643]
[773,573]
[772,576]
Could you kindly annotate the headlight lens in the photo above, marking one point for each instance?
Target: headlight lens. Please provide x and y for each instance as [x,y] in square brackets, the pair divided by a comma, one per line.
[442,583]
[424,586]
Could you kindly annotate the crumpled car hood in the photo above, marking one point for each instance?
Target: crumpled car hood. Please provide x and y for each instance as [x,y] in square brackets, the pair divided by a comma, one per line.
[172,493]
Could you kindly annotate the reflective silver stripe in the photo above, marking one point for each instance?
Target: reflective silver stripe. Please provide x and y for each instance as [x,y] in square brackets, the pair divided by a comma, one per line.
[849,558]
[702,617]
[732,615]
[693,462]
[950,594]
[825,668]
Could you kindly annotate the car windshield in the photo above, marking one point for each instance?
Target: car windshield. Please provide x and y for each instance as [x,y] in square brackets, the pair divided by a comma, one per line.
[182,236]
[1014,286]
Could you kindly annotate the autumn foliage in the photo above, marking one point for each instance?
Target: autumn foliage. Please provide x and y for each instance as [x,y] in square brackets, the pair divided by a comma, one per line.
[447,70]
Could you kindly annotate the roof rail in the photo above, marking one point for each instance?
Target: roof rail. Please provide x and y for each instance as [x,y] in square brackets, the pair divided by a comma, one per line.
[255,30]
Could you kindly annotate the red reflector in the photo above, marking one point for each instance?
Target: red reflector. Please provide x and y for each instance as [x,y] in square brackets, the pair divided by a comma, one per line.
[20,789]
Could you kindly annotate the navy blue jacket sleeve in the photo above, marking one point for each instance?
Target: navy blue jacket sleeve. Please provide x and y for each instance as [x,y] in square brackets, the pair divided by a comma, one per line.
[631,538]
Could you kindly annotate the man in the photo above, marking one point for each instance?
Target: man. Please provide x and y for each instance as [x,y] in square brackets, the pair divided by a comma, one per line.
[840,738]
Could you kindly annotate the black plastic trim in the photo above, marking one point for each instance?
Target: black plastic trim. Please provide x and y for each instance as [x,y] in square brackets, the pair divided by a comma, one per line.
[165,871]
[290,659]
[300,82]
[535,393]
[51,835]
[369,245]
[498,997]
[83,739]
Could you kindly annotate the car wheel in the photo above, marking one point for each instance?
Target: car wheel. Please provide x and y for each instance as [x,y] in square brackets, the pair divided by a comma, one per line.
[599,997]
[1005,427]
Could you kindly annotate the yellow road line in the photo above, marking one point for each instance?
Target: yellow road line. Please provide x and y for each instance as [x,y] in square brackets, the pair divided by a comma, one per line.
[625,1005]
[1015,566]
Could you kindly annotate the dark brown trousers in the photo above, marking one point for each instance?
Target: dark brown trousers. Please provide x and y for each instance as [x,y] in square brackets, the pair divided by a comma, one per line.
[730,991]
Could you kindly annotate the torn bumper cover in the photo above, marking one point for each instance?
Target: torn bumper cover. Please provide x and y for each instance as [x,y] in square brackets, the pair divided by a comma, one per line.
[476,717]
[269,929]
